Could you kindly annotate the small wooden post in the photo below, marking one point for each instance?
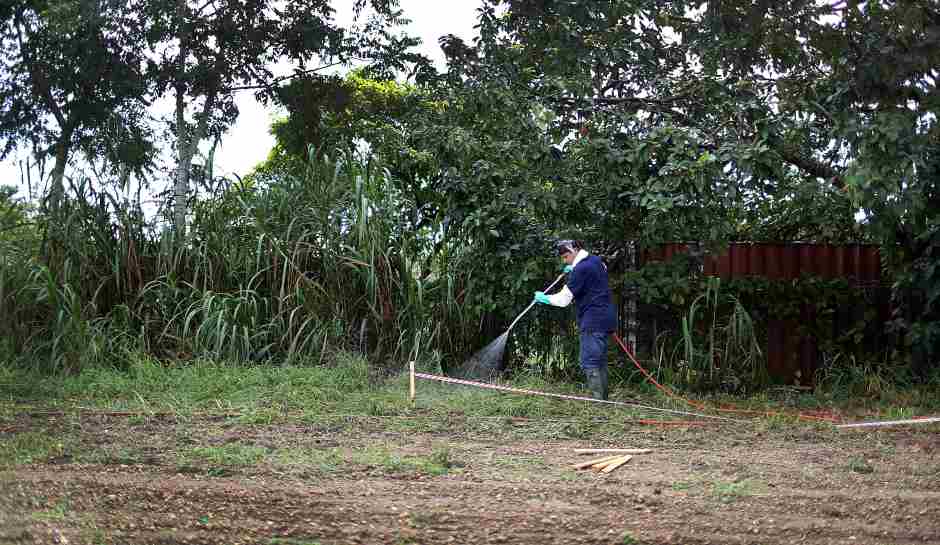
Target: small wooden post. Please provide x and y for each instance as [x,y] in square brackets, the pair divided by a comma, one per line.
[411,366]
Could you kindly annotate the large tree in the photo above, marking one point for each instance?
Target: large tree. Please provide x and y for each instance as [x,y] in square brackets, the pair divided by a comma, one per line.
[72,79]
[671,143]
[694,116]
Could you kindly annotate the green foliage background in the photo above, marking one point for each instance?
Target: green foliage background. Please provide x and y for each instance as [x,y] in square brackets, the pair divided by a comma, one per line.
[413,219]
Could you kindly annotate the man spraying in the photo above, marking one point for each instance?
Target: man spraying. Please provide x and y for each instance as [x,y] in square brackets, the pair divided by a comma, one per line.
[587,286]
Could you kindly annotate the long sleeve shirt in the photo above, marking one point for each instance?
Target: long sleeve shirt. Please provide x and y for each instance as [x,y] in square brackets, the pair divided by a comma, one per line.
[587,286]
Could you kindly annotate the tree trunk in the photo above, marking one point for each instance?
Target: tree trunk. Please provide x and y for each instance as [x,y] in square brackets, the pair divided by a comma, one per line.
[183,163]
[180,195]
[185,141]
[57,187]
[187,136]
[186,145]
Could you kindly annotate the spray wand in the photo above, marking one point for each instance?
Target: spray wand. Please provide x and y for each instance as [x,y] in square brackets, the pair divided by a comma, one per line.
[488,360]
[532,304]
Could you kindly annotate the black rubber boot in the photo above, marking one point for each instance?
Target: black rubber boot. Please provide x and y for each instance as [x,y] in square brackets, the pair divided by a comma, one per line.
[597,382]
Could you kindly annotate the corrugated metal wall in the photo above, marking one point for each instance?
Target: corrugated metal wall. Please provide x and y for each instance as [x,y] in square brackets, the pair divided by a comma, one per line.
[859,263]
[792,356]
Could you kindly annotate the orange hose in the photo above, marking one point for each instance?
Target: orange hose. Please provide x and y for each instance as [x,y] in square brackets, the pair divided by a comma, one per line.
[669,393]
[649,377]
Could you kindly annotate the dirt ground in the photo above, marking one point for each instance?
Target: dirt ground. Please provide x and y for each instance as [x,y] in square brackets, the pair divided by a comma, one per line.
[113,478]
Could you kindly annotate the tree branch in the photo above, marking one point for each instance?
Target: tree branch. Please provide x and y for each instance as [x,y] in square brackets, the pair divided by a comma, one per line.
[276,81]
[791,156]
[811,166]
[37,77]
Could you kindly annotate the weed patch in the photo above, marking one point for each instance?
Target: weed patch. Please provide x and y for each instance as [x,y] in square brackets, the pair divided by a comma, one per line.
[57,512]
[441,457]
[321,460]
[29,447]
[727,492]
[119,456]
[221,460]
[390,461]
[858,464]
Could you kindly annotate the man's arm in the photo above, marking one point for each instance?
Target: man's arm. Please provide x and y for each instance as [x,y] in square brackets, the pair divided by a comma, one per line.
[577,281]
[562,298]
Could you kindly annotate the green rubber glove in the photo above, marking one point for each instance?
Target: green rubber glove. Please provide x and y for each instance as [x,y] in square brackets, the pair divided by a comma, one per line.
[542,298]
[567,268]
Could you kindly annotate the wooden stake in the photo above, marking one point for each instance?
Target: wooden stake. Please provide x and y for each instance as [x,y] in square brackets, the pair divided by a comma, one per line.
[590,463]
[617,463]
[411,365]
[618,450]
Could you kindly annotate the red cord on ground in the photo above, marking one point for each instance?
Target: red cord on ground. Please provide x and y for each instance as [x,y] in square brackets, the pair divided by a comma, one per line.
[702,407]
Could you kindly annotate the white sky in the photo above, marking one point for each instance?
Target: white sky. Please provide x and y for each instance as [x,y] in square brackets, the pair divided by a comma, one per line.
[248,142]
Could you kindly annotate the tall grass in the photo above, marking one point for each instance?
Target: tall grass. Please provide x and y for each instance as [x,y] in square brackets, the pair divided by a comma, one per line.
[291,268]
[720,346]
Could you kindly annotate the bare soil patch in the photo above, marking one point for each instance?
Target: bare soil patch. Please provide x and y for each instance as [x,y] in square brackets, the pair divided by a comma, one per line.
[115,479]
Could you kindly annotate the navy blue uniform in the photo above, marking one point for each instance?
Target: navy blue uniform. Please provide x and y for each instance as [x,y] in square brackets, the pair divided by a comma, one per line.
[595,309]
[588,283]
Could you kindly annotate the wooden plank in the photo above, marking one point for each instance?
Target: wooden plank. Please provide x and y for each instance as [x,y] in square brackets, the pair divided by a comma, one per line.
[614,465]
[589,463]
[882,423]
[604,464]
[618,460]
